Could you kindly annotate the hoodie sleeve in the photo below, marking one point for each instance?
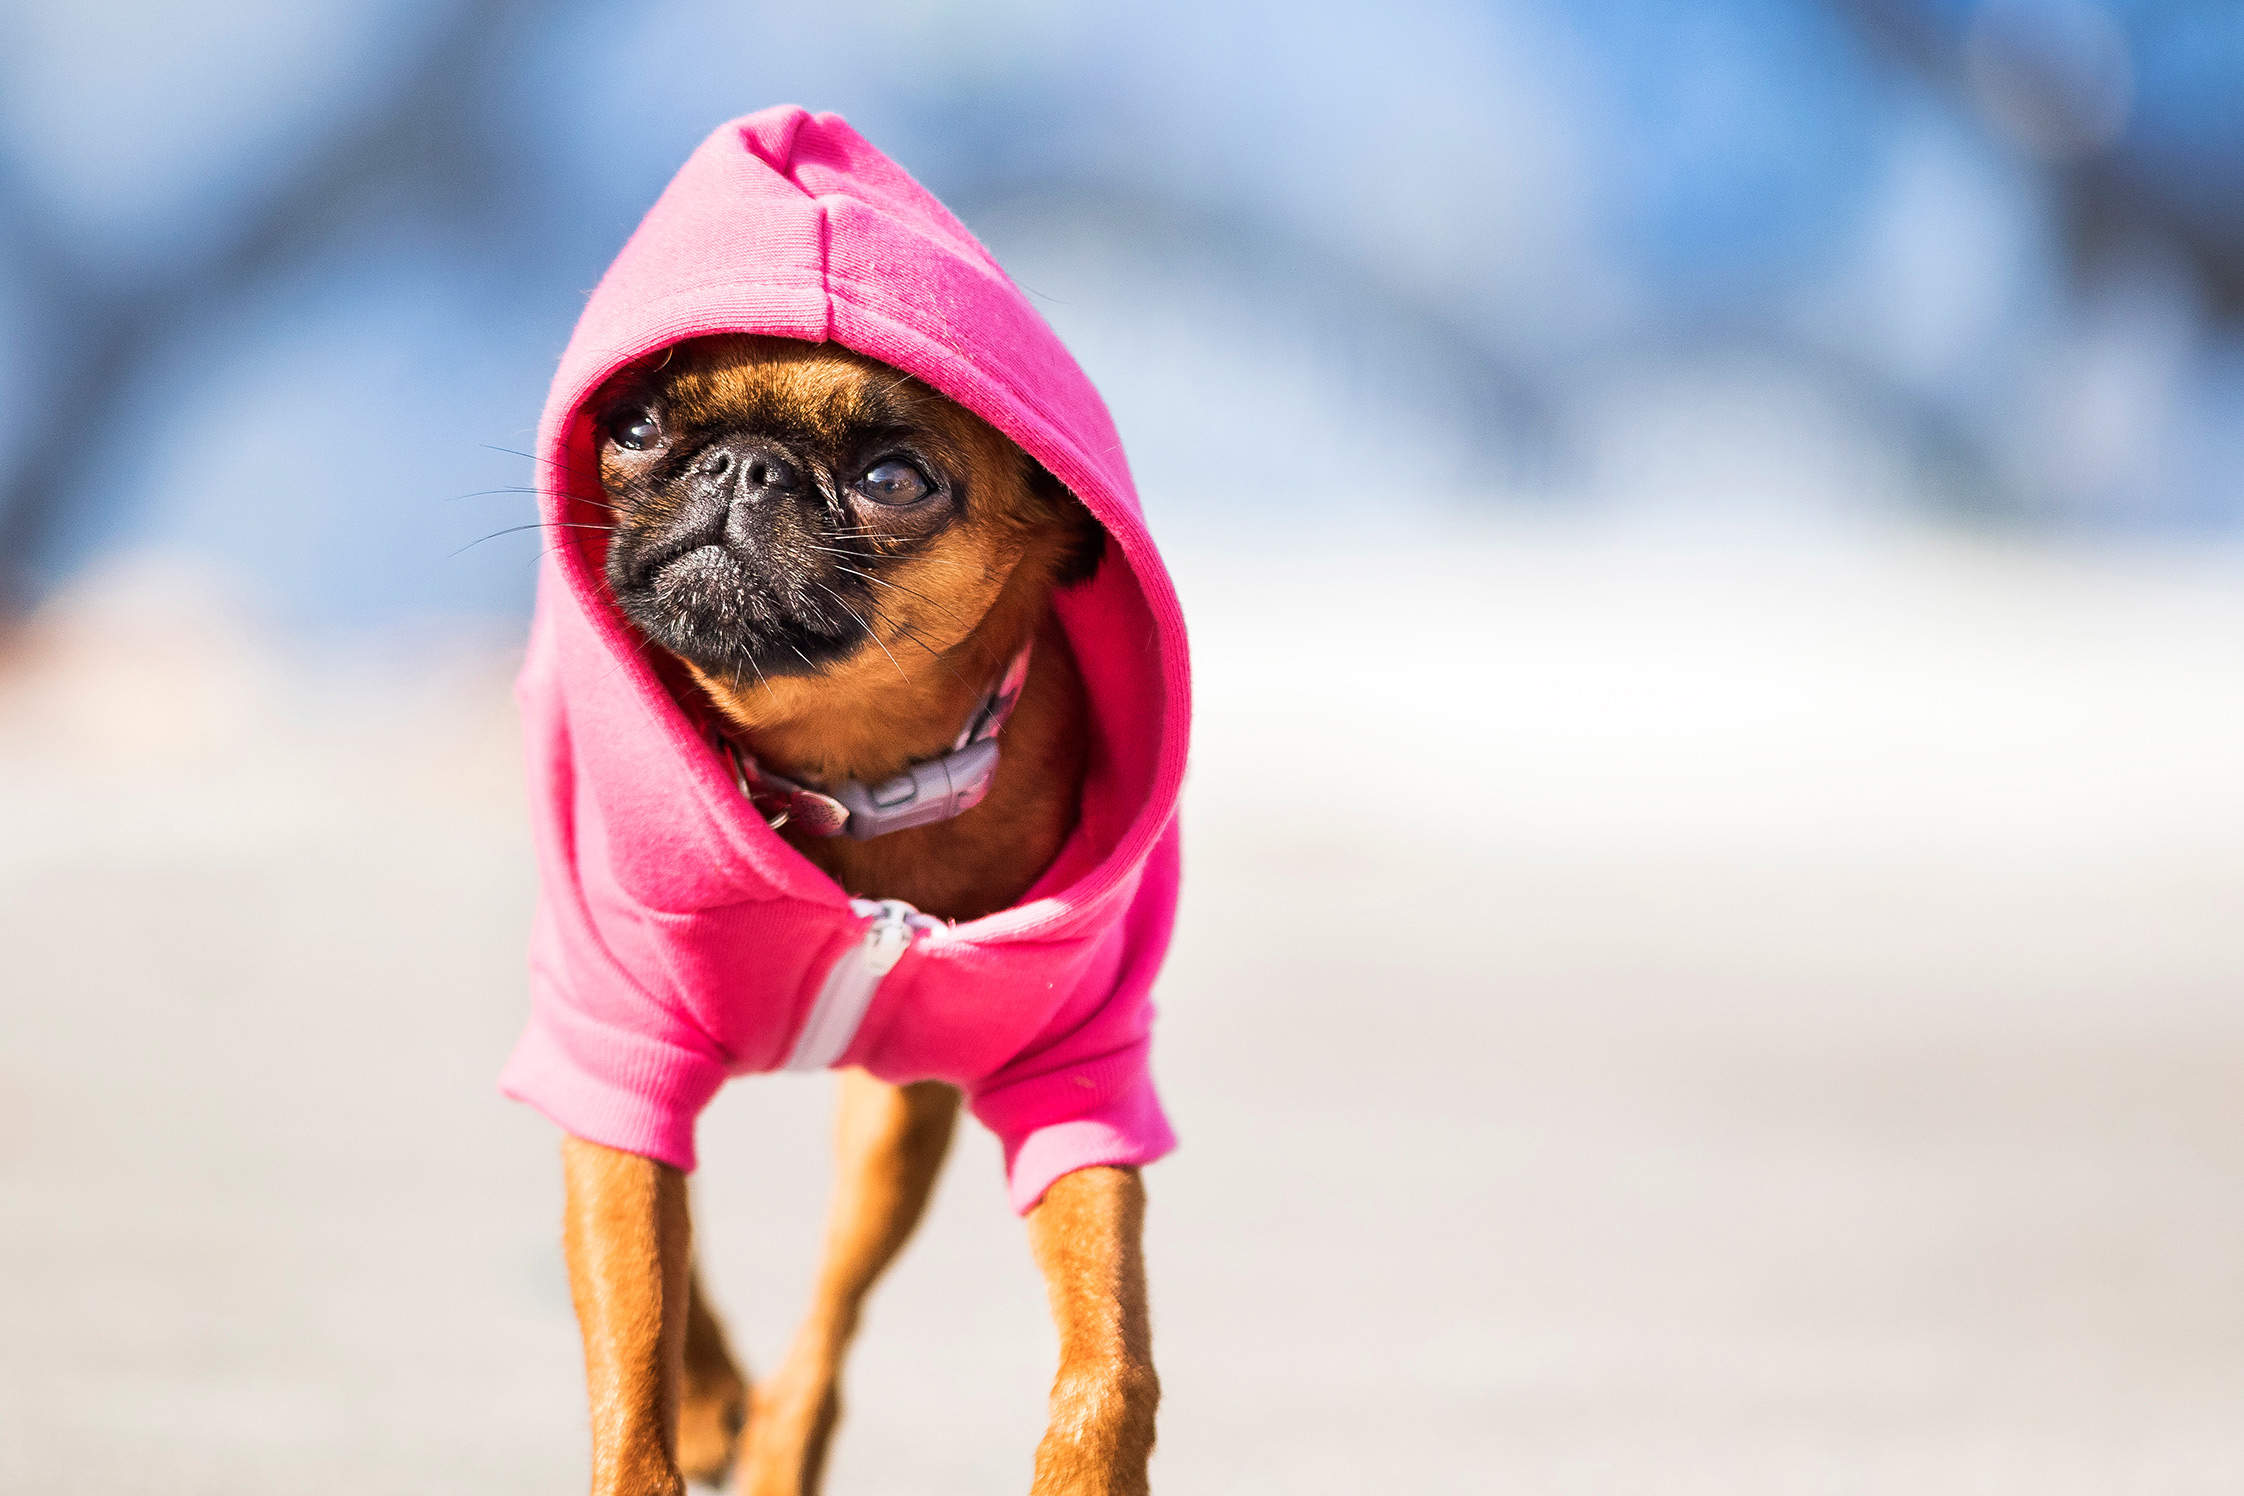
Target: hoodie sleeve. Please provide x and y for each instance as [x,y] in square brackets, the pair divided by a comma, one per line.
[611,1078]
[1094,1109]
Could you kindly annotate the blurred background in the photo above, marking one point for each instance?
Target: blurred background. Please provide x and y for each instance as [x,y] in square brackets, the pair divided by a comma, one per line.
[1750,492]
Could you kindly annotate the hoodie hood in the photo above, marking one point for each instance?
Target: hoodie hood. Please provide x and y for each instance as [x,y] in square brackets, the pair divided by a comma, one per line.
[660,885]
[789,224]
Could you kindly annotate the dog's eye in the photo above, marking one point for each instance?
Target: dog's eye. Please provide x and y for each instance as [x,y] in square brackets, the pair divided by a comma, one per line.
[634,430]
[895,483]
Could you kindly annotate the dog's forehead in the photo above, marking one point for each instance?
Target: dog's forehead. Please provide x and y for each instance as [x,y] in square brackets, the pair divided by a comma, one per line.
[825,396]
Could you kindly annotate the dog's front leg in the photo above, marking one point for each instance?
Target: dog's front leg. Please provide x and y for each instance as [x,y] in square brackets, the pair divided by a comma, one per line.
[628,1239]
[1087,1235]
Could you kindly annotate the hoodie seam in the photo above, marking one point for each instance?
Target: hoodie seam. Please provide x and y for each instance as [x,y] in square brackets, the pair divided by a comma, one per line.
[825,267]
[782,162]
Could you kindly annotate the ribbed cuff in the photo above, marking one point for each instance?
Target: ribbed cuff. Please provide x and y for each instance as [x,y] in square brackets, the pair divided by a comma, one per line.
[648,1106]
[1127,1129]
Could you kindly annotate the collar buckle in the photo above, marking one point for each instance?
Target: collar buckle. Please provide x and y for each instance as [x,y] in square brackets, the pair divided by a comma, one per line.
[936,790]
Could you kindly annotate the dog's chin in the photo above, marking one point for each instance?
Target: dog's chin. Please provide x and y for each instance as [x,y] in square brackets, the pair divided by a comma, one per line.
[704,583]
[704,607]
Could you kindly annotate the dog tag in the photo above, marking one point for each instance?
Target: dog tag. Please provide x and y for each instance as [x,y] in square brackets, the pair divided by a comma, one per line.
[820,815]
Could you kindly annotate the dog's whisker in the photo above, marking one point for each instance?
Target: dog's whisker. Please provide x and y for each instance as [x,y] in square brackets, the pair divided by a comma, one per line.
[518,529]
[895,587]
[912,635]
[482,493]
[921,560]
[841,602]
[541,461]
[761,678]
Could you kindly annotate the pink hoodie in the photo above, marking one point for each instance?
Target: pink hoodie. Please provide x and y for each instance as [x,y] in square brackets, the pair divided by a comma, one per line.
[678,940]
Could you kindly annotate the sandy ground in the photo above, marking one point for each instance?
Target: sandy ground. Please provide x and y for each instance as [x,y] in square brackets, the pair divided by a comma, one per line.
[1644,1021]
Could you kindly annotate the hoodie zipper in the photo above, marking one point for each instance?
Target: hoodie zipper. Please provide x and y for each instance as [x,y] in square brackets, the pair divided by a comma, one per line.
[852,980]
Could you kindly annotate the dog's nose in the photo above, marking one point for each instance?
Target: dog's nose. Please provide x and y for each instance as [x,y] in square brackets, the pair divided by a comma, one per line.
[735,484]
[750,481]
[751,469]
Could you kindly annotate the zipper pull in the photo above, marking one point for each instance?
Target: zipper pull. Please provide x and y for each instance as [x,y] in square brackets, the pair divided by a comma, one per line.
[889,936]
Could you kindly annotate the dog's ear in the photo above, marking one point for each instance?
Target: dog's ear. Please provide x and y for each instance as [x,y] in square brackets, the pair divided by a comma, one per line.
[1085,546]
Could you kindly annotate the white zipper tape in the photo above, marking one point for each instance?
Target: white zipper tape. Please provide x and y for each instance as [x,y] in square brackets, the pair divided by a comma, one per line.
[853,979]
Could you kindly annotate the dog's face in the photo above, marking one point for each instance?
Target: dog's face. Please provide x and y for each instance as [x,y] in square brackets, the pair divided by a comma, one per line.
[788,509]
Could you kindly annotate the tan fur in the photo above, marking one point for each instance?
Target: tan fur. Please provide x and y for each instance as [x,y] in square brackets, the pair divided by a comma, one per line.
[666,1394]
[629,1240]
[1086,1237]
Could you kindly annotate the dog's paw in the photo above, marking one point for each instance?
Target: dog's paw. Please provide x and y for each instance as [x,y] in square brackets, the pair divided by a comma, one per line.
[794,1419]
[712,1410]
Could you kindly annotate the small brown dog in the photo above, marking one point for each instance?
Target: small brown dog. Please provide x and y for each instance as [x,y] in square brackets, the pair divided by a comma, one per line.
[843,562]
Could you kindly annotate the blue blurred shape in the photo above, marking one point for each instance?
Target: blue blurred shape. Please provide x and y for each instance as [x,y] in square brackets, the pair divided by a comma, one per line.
[2154,87]
[146,125]
[1744,137]
[2057,75]
[2188,127]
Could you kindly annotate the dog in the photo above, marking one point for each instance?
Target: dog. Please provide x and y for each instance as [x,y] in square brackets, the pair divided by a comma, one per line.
[838,568]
